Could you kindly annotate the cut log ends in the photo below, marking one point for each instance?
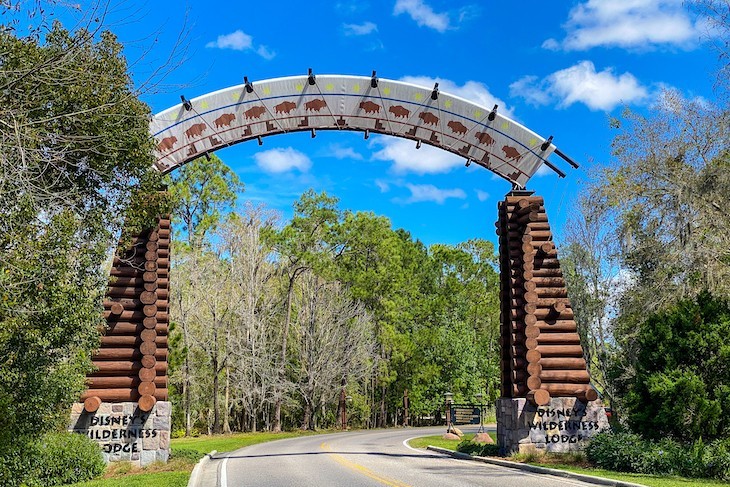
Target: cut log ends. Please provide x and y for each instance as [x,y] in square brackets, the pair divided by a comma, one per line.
[148,348]
[146,403]
[530,286]
[546,247]
[534,369]
[149,310]
[147,374]
[533,356]
[591,395]
[534,382]
[116,308]
[530,297]
[149,361]
[539,397]
[532,331]
[92,403]
[149,276]
[146,389]
[148,335]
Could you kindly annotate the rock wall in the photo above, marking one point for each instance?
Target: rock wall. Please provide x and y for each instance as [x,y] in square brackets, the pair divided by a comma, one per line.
[566,424]
[126,433]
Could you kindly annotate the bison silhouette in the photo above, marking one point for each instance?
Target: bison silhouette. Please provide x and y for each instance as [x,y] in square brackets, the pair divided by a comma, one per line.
[511,153]
[428,118]
[370,107]
[399,111]
[195,130]
[255,112]
[484,138]
[224,120]
[457,127]
[167,143]
[285,107]
[316,105]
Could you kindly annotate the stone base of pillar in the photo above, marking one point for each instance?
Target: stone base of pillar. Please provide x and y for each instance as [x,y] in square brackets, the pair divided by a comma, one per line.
[564,425]
[124,432]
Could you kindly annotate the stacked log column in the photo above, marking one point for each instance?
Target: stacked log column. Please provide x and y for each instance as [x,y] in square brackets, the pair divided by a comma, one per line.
[541,352]
[131,364]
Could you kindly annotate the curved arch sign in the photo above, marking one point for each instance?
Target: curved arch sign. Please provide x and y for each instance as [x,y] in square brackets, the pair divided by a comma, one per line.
[336,102]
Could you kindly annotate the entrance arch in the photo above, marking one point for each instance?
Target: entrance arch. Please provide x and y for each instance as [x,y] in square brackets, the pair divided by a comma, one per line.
[542,364]
[255,110]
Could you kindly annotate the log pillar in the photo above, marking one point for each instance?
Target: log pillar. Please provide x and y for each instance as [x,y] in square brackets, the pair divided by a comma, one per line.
[125,407]
[542,366]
